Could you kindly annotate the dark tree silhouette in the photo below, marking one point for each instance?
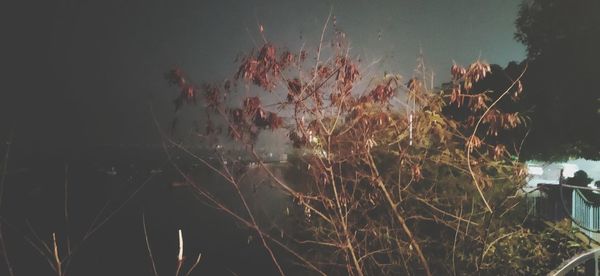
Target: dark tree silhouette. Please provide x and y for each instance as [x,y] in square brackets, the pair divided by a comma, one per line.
[580,178]
[562,39]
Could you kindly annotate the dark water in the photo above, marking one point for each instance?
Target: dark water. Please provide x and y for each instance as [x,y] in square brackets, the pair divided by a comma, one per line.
[35,194]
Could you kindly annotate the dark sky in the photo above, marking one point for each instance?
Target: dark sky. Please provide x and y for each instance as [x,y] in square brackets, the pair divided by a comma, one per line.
[84,72]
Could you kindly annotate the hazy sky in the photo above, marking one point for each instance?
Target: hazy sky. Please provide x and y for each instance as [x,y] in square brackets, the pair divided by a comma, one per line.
[83,72]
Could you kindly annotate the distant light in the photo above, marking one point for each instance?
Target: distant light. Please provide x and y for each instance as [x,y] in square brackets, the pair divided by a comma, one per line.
[535,170]
[569,169]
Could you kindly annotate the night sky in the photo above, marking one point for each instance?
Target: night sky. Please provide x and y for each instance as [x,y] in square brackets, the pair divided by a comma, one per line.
[81,73]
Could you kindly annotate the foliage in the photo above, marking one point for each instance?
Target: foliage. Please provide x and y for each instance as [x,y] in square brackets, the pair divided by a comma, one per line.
[384,181]
[507,111]
[561,37]
[532,250]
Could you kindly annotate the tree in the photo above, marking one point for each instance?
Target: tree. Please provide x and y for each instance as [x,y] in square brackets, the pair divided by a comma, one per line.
[561,87]
[514,120]
[381,185]
[580,178]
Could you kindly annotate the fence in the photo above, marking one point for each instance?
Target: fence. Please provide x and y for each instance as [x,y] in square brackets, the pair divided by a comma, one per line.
[586,215]
[545,202]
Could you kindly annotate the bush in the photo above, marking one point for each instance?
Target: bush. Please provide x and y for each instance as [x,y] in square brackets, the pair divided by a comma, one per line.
[385,183]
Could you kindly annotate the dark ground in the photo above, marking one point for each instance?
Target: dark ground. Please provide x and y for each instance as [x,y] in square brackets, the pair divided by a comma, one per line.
[34,193]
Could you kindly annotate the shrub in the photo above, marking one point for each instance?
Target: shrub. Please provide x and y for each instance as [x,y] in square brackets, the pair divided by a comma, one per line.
[388,183]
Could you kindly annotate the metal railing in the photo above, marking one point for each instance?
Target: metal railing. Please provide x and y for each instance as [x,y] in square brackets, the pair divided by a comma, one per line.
[548,206]
[554,203]
[588,259]
[586,215]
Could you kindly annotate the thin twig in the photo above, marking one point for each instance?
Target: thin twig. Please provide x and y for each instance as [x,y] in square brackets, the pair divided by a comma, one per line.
[56,256]
[37,237]
[5,168]
[454,243]
[148,245]
[66,206]
[93,229]
[321,43]
[495,241]
[2,181]
[245,222]
[180,254]
[393,206]
[3,246]
[194,265]
[470,144]
[443,212]
[243,199]
[48,256]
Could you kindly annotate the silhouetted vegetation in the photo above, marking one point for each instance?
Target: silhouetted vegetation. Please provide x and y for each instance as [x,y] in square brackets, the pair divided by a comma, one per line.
[561,96]
[561,100]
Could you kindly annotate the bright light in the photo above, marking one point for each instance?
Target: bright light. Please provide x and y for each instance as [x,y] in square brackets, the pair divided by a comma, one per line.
[569,169]
[535,170]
